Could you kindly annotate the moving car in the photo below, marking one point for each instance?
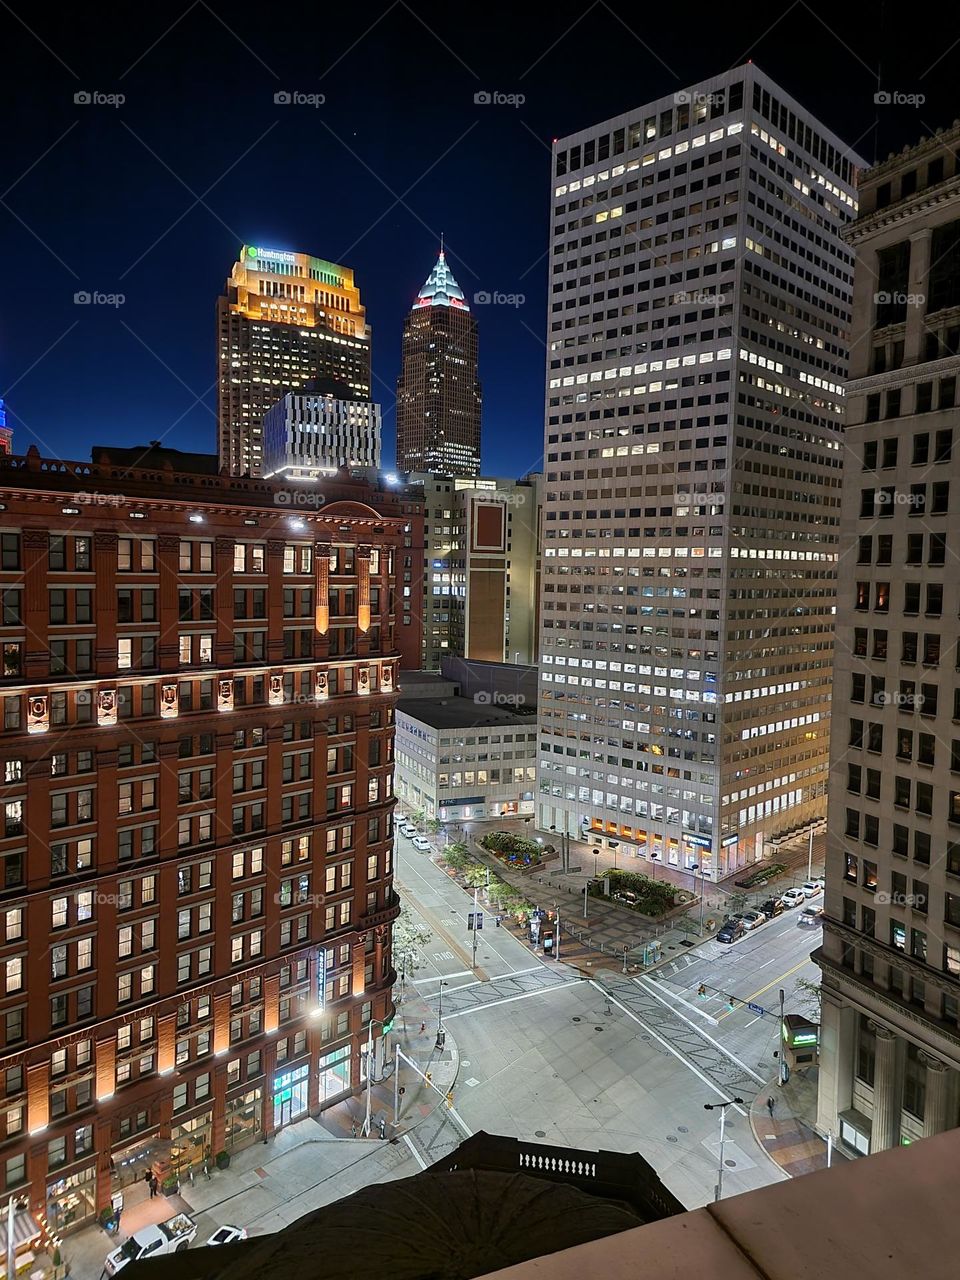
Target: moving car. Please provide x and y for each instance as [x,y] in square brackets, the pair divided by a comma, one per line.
[228,1235]
[731,930]
[420,843]
[810,917]
[152,1242]
[753,919]
[793,897]
[772,907]
[810,888]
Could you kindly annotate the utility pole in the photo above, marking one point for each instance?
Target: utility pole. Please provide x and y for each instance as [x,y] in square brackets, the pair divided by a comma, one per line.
[780,1060]
[722,1108]
[586,890]
[810,856]
[441,1037]
[396,1084]
[366,1120]
[475,928]
[556,945]
[11,1246]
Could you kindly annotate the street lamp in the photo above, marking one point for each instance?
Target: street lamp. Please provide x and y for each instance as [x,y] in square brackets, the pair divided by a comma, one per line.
[703,882]
[378,1022]
[596,864]
[722,1108]
[441,1034]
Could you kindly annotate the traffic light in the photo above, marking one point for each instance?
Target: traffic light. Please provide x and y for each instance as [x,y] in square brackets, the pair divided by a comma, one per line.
[450,1098]
[428,1076]
[388,1026]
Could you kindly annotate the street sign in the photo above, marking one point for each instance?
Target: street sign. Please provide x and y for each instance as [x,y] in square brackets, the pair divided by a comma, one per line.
[756,1008]
[470,920]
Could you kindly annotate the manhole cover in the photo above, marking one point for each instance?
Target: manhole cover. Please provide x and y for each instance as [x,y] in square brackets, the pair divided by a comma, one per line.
[598,1028]
[574,1019]
[644,1037]
[672,1137]
[731,1164]
[682,1128]
[539,1133]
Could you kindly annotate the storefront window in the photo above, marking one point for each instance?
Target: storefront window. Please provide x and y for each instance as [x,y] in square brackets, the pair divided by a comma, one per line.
[290,1095]
[190,1141]
[334,1074]
[244,1119]
[72,1200]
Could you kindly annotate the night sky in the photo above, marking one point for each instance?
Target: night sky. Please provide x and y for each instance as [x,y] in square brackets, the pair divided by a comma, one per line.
[153,198]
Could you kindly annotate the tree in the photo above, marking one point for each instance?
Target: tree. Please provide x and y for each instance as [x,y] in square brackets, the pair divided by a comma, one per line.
[807,995]
[455,856]
[476,876]
[434,825]
[458,846]
[409,937]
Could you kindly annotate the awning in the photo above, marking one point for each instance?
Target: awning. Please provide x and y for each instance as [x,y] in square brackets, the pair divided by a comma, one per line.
[25,1231]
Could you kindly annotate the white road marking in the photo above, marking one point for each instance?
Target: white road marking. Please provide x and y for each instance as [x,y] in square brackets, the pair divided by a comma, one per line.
[666,1044]
[699,1030]
[415,1153]
[492,1004]
[443,977]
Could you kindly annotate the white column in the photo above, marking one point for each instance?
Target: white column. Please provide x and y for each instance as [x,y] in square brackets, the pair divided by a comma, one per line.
[936,1107]
[886,1103]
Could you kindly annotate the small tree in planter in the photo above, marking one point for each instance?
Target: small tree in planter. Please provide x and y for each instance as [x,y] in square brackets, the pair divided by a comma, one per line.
[223,1159]
[434,825]
[455,858]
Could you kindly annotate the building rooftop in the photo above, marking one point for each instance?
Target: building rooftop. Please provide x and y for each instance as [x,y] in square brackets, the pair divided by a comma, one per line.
[464,713]
[440,288]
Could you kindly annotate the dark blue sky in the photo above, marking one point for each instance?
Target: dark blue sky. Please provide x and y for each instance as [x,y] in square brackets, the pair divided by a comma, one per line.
[153,198]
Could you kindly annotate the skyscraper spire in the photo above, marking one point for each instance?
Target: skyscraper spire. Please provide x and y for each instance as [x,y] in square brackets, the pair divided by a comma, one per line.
[441,289]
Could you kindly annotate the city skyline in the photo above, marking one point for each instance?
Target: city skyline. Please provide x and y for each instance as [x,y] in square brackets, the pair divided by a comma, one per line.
[139,222]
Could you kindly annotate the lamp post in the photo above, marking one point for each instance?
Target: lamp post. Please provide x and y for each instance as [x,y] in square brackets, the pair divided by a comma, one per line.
[703,880]
[374,1022]
[596,865]
[810,856]
[722,1108]
[586,890]
[781,1064]
[441,1035]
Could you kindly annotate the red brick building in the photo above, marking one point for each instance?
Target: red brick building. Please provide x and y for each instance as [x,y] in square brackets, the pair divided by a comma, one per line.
[197,693]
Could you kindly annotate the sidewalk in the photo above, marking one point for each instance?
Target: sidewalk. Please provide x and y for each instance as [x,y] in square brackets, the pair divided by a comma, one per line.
[788,1136]
[311,1162]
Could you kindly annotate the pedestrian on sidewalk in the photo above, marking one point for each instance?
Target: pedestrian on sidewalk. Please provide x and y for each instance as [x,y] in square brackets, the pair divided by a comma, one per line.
[423,1027]
[147,1177]
[353,1128]
[383,1127]
[771,1105]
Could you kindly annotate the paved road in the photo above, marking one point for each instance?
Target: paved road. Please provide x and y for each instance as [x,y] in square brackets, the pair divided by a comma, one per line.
[622,1063]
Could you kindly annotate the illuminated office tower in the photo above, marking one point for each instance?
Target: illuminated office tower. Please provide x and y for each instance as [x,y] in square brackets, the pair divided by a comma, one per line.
[698,326]
[284,319]
[438,391]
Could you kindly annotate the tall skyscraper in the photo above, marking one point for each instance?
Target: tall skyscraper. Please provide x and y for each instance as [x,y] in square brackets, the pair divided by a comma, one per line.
[438,391]
[698,326]
[890,1040]
[283,319]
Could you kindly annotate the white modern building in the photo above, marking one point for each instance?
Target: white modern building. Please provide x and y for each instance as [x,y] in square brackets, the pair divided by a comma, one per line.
[698,323]
[318,430]
[466,742]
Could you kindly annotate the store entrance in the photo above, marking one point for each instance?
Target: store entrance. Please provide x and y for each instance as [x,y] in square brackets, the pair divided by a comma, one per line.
[290,1096]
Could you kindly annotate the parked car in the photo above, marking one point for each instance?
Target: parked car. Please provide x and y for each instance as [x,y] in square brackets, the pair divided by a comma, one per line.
[731,930]
[420,843]
[753,919]
[407,829]
[810,917]
[228,1235]
[810,888]
[793,897]
[153,1241]
[772,907]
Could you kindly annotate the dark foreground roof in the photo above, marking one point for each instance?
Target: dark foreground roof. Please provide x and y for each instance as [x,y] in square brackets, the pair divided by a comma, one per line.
[492,1203]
